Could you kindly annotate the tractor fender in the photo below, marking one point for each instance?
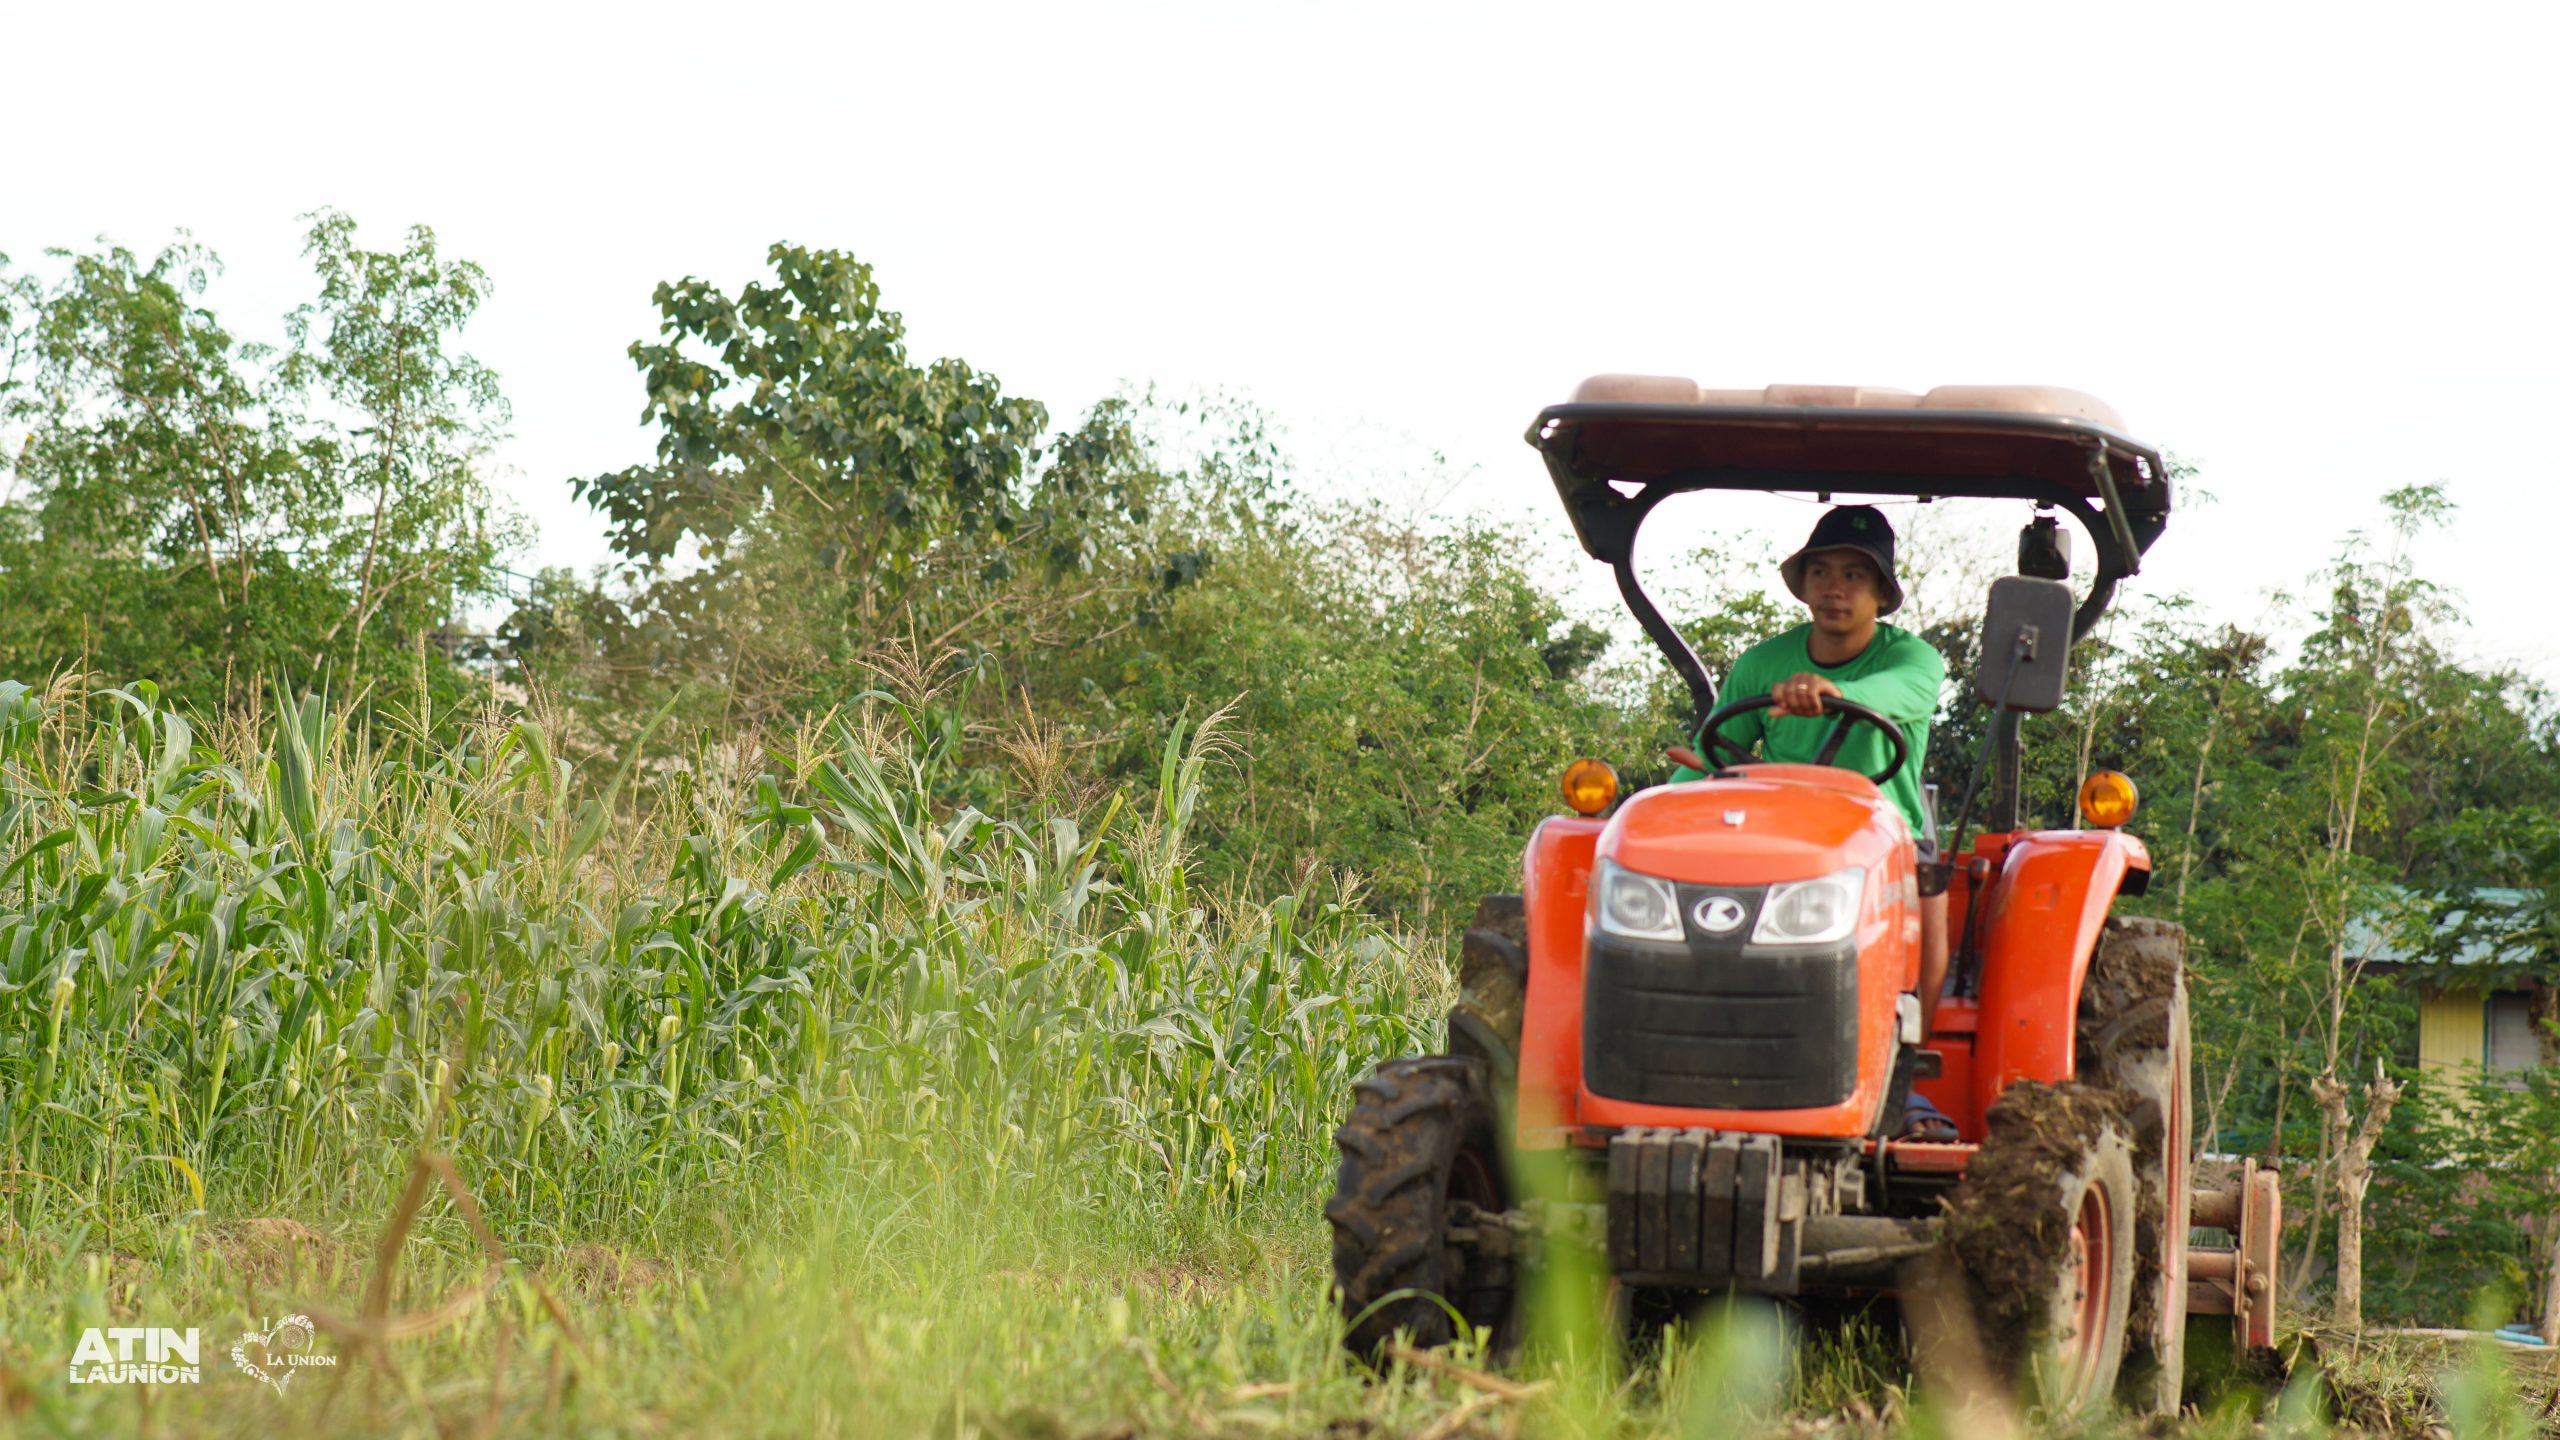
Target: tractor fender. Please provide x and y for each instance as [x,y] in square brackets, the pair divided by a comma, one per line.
[2038,928]
[1555,890]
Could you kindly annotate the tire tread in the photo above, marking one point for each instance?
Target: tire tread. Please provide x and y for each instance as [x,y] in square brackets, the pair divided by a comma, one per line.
[1387,1211]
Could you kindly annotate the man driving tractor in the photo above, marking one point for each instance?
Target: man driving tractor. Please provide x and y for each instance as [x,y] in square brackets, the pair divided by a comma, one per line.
[1844,575]
[1681,1050]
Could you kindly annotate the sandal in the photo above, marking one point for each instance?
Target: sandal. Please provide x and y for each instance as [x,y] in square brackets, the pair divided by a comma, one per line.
[1925,1122]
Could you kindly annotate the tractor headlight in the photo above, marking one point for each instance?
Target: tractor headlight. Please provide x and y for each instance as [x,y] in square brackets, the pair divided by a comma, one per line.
[1638,907]
[1812,912]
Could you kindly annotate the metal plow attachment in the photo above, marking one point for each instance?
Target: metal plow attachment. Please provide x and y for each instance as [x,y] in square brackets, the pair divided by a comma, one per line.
[2238,1281]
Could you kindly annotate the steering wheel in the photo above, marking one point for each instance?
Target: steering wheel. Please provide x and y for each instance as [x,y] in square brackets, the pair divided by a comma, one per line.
[1726,749]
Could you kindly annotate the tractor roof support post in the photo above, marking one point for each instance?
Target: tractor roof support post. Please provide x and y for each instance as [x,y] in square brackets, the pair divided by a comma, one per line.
[1667,637]
[1609,529]
[2007,749]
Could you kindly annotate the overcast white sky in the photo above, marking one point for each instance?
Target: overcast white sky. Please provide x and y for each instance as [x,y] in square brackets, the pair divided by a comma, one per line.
[2308,247]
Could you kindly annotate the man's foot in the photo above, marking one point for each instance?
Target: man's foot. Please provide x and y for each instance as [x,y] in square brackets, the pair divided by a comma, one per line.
[1922,1120]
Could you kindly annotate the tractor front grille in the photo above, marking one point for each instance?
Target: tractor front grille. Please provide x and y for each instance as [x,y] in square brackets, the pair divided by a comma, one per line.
[1720,1024]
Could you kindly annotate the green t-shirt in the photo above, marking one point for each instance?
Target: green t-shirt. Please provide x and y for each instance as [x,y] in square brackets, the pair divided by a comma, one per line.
[1898,676]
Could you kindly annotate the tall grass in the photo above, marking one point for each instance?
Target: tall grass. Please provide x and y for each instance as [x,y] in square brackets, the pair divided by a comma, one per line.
[238,966]
[248,973]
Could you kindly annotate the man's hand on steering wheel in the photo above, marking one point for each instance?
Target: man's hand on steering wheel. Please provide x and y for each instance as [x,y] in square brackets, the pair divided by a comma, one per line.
[1818,697]
[1800,695]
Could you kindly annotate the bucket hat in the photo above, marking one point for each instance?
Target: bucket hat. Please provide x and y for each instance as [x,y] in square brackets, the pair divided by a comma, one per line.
[1862,528]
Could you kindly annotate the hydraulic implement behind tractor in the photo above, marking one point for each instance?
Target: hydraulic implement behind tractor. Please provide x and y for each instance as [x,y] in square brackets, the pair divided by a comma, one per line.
[1688,1042]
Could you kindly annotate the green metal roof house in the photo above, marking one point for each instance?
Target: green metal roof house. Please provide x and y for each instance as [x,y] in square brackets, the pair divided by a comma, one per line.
[2466,1027]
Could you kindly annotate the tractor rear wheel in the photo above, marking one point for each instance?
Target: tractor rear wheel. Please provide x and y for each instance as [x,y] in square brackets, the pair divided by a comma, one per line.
[2042,1229]
[2133,1041]
[1420,1186]
[1493,985]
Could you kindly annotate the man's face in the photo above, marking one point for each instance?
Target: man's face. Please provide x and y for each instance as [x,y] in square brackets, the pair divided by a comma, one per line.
[1840,589]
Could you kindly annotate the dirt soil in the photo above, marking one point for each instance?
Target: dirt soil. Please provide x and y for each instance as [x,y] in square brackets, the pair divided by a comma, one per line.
[2006,1222]
[2126,1008]
[277,1250]
[599,1273]
[1487,987]
[2124,1003]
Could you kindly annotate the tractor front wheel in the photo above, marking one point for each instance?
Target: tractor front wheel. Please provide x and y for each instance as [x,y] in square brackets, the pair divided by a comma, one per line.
[2042,1229]
[2133,1041]
[1418,1239]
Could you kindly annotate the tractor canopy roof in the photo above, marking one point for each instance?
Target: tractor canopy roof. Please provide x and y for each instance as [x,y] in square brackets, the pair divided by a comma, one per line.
[1624,442]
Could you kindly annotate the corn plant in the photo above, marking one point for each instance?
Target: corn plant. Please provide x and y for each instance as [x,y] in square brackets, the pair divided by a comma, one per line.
[251,974]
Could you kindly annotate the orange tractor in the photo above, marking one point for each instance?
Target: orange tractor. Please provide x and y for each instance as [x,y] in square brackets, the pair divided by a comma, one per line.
[1687,1044]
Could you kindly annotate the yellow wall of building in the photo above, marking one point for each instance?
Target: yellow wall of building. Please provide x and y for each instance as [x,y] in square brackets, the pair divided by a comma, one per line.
[2452,1028]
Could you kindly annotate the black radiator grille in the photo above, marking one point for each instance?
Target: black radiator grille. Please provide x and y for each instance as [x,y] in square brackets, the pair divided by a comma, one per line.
[1720,1024]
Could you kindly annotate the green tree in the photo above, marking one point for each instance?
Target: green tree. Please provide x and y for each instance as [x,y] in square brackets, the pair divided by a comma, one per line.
[837,494]
[2290,861]
[195,509]
[404,434]
[1406,694]
[826,516]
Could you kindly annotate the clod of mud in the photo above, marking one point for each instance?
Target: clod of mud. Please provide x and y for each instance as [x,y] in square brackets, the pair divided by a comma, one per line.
[2142,1317]
[1176,1282]
[1162,1280]
[1044,1281]
[1491,960]
[2129,1016]
[17,1388]
[2124,1001]
[598,1273]
[274,1250]
[2006,1222]
[26,1245]
[1031,1422]
[2221,1376]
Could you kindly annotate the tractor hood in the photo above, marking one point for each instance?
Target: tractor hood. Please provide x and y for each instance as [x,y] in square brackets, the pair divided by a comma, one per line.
[1765,824]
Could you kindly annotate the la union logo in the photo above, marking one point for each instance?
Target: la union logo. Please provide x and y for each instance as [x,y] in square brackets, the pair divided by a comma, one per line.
[278,1352]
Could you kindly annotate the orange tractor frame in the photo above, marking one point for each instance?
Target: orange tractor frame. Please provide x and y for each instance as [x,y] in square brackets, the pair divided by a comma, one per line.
[1687,1042]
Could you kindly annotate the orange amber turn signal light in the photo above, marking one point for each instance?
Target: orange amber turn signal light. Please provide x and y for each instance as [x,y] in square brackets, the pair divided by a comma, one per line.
[2107,800]
[1590,786]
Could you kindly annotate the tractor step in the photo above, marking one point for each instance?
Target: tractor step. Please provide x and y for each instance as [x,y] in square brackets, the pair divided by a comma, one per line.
[1929,1157]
